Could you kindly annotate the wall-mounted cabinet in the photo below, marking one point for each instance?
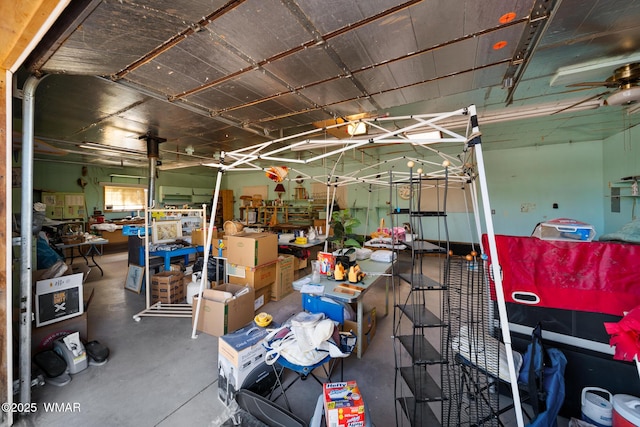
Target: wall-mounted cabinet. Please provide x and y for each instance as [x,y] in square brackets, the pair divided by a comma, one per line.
[185,195]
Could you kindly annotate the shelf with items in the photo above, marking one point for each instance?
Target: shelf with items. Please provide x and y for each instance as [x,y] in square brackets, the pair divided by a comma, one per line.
[626,187]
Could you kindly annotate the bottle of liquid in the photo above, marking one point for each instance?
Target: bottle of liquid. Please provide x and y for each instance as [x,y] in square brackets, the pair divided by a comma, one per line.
[193,287]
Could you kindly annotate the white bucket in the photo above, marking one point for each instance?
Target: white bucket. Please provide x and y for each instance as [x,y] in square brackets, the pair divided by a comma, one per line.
[193,288]
[596,409]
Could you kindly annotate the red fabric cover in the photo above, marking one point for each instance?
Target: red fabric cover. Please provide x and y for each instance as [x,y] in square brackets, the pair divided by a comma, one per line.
[625,336]
[600,277]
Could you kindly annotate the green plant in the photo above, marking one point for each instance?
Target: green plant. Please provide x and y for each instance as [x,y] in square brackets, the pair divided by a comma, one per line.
[343,224]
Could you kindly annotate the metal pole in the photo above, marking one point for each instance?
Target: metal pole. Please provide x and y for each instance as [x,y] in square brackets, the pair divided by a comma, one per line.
[153,154]
[26,238]
[497,271]
[207,248]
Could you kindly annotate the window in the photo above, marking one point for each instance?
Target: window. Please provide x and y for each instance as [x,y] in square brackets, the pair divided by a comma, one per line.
[123,197]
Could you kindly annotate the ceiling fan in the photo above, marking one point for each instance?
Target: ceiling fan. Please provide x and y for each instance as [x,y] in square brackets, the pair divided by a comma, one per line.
[625,83]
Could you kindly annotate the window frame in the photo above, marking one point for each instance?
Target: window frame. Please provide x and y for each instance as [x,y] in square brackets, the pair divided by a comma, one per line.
[106,185]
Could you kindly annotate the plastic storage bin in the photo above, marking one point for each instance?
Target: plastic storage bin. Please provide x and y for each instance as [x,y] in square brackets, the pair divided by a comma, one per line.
[565,229]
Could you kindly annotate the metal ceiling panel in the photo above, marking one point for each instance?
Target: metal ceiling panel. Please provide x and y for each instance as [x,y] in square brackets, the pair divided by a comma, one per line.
[305,67]
[99,49]
[477,19]
[436,23]
[488,51]
[589,19]
[260,29]
[331,15]
[195,61]
[490,76]
[379,41]
[67,104]
[332,92]
[455,57]
[188,11]
[418,68]
[353,107]
[418,93]
[296,123]
[252,86]
[456,84]
[386,38]
[279,66]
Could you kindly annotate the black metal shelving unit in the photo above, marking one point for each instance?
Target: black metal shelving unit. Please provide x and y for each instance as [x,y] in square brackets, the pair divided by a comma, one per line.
[420,304]
[445,358]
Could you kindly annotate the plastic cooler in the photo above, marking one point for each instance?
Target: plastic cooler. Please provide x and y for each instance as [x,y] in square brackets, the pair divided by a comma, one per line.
[626,410]
[565,229]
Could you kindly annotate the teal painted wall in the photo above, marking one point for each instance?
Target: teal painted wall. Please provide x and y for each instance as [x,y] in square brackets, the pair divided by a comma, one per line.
[523,185]
[621,157]
[48,176]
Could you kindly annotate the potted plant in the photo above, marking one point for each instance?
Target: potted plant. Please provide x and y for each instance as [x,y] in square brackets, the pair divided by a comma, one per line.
[344,240]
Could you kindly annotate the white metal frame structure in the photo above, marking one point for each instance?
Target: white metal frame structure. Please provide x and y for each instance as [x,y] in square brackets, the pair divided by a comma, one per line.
[414,132]
[160,309]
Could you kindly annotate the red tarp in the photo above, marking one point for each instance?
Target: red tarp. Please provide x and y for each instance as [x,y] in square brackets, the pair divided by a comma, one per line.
[601,277]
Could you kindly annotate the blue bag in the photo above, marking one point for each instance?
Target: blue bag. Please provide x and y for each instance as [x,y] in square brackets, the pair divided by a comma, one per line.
[543,374]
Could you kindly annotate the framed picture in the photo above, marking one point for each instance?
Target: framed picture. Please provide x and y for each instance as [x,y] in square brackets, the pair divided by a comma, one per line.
[166,231]
[134,278]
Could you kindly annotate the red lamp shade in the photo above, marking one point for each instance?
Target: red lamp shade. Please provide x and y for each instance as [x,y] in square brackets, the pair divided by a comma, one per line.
[279,189]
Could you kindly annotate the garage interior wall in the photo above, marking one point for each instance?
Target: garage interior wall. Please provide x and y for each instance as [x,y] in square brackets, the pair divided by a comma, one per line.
[525,183]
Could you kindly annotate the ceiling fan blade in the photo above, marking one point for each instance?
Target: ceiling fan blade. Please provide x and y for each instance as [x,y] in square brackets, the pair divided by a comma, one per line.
[580,102]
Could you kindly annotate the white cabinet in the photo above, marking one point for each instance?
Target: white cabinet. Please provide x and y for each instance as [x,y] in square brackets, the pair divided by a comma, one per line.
[171,194]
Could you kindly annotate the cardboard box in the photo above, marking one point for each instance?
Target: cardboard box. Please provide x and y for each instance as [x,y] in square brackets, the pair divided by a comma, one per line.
[241,362]
[299,264]
[58,299]
[197,237]
[167,287]
[343,404]
[252,249]
[262,296]
[220,315]
[256,277]
[283,285]
[369,324]
[42,338]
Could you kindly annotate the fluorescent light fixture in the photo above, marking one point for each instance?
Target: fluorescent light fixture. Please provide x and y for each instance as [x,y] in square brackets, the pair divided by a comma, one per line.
[115,175]
[359,128]
[591,70]
[101,147]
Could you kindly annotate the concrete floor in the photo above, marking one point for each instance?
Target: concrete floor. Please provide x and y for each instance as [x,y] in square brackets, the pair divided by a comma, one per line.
[157,375]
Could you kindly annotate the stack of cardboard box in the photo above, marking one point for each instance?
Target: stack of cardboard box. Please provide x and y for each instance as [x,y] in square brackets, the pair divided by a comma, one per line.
[252,260]
[167,287]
